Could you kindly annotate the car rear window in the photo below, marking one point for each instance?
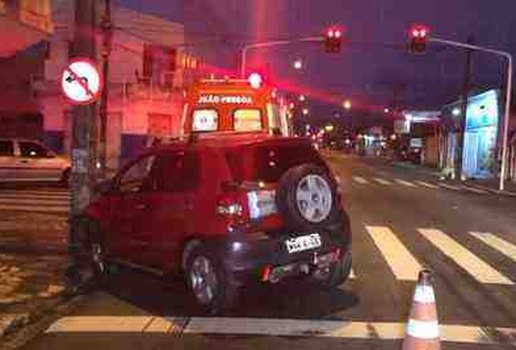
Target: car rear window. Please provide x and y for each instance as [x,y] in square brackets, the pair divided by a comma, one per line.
[268,163]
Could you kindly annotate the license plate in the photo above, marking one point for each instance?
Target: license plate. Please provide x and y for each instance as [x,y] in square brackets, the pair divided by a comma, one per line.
[302,243]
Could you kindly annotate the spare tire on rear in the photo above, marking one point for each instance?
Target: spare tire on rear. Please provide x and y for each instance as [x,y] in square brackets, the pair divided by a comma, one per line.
[307,197]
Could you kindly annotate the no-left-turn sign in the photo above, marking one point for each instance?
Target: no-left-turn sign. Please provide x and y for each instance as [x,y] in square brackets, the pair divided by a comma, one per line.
[81,81]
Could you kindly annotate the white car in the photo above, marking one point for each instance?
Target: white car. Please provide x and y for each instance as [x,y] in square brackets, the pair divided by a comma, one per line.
[29,160]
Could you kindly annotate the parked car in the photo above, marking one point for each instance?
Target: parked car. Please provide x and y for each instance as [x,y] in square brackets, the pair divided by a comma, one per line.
[228,211]
[22,160]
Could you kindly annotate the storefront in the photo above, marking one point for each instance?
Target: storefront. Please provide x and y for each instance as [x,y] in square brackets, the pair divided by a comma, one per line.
[480,138]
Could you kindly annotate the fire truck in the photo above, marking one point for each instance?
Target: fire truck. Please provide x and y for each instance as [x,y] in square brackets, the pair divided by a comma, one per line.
[235,105]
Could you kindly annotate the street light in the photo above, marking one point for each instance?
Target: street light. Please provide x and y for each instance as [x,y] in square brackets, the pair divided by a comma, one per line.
[346,104]
[298,64]
[386,110]
[305,111]
[302,98]
[456,112]
[329,127]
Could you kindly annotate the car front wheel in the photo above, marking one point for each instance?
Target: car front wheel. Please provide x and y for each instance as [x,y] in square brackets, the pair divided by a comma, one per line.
[209,282]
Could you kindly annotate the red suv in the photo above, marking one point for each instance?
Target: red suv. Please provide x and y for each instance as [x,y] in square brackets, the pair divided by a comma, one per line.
[228,211]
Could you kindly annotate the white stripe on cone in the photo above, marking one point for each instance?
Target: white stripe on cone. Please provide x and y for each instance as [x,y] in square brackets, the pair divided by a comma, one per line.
[423,329]
[424,295]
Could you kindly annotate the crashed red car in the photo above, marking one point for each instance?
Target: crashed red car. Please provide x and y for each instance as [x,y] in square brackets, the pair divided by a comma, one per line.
[228,211]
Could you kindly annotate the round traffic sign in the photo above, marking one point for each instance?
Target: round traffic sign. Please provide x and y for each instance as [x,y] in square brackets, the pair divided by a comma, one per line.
[81,81]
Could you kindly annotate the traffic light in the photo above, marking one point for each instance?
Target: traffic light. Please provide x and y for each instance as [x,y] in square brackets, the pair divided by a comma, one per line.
[333,40]
[418,35]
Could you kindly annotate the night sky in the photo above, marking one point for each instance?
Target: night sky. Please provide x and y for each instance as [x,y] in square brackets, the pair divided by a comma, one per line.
[373,66]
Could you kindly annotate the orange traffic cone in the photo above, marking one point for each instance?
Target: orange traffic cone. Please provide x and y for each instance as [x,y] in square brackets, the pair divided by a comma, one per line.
[422,327]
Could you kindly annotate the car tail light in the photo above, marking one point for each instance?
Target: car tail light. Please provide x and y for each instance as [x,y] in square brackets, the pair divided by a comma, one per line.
[261,203]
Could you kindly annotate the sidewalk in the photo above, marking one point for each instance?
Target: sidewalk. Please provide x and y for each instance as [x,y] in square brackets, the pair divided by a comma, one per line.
[491,185]
[33,261]
[30,285]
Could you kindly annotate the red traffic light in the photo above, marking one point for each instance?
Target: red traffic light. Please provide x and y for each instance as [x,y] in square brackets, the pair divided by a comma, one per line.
[333,40]
[417,38]
[419,31]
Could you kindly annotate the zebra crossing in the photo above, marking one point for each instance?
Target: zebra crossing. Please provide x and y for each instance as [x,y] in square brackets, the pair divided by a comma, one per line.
[41,200]
[405,266]
[414,184]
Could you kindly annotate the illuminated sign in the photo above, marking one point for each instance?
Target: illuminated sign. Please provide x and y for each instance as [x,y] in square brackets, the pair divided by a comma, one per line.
[483,110]
[221,99]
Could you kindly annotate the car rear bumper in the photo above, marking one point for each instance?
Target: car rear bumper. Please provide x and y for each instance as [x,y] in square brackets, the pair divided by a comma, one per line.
[264,258]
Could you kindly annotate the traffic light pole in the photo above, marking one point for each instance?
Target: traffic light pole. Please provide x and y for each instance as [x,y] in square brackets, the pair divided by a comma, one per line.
[508,93]
[83,140]
[267,44]
[107,34]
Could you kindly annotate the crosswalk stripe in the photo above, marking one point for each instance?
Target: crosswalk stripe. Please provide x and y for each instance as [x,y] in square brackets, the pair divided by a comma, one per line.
[506,248]
[35,197]
[450,187]
[17,201]
[34,193]
[269,327]
[426,184]
[360,180]
[41,209]
[479,269]
[382,181]
[401,262]
[405,183]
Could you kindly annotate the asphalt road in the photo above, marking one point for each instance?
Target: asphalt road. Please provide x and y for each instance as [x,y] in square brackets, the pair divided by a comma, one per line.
[402,221]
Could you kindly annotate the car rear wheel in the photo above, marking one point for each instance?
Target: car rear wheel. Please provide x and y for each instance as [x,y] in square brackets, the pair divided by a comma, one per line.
[209,282]
[335,274]
[65,177]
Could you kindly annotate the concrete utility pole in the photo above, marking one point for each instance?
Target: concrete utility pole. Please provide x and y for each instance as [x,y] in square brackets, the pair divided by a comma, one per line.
[461,136]
[107,35]
[83,134]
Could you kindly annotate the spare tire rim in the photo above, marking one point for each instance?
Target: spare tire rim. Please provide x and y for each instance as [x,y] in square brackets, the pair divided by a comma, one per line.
[203,279]
[314,198]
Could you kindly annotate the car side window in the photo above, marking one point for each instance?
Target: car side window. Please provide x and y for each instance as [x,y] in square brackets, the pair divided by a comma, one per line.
[177,171]
[33,150]
[6,148]
[137,177]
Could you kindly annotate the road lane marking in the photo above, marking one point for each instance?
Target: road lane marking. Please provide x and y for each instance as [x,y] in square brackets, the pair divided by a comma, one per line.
[426,184]
[272,327]
[382,181]
[450,187]
[475,266]
[475,190]
[402,263]
[360,180]
[506,248]
[405,183]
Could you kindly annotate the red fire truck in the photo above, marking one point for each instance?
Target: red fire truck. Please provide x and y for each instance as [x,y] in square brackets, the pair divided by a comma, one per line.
[235,105]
